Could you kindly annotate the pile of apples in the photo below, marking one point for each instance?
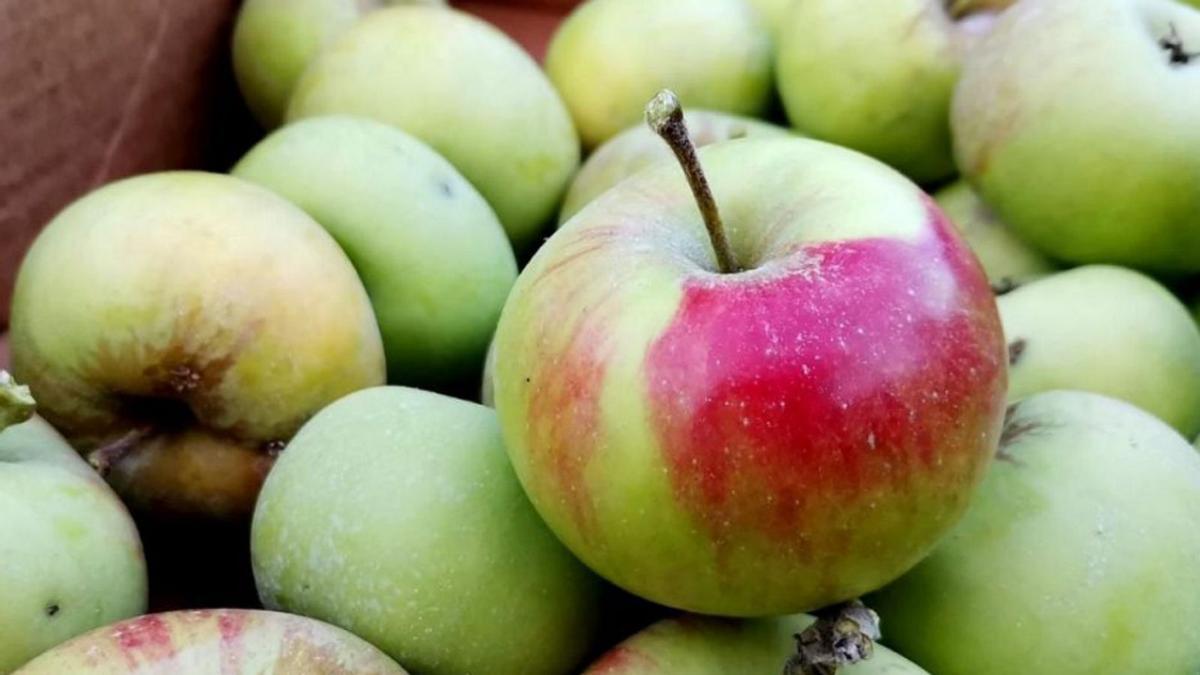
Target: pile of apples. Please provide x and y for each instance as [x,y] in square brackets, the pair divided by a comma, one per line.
[748,385]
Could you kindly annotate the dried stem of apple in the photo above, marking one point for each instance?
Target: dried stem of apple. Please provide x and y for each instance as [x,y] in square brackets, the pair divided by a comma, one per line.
[105,457]
[664,114]
[842,635]
[16,403]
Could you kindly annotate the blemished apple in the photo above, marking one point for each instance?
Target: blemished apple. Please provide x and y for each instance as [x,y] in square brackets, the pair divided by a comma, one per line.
[757,418]
[1005,258]
[72,558]
[712,646]
[1078,555]
[879,81]
[610,56]
[207,641]
[1108,330]
[1093,159]
[395,514]
[179,327]
[637,148]
[466,89]
[275,40]
[428,248]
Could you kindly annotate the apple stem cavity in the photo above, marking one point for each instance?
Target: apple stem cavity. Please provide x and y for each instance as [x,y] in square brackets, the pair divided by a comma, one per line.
[842,636]
[105,457]
[16,403]
[664,114]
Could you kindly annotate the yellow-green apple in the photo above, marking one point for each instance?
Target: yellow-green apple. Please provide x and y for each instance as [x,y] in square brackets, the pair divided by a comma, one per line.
[780,414]
[1092,159]
[180,327]
[637,148]
[879,81]
[610,56]
[466,89]
[395,514]
[275,40]
[773,12]
[429,249]
[1006,259]
[487,392]
[207,641]
[1107,330]
[1080,545]
[72,559]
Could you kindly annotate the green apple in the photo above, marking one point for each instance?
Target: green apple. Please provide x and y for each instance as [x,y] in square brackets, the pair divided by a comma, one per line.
[637,148]
[1092,160]
[487,391]
[395,514]
[1006,259]
[209,641]
[1108,330]
[879,81]
[429,249]
[1078,556]
[773,12]
[72,559]
[275,40]
[466,89]
[610,56]
[180,327]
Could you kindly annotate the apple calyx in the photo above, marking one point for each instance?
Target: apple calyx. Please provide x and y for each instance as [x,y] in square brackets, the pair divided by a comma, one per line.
[664,114]
[842,635]
[1177,53]
[961,9]
[16,403]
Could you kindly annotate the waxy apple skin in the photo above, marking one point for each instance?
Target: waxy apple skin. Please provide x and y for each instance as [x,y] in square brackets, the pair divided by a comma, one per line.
[1005,258]
[226,641]
[761,443]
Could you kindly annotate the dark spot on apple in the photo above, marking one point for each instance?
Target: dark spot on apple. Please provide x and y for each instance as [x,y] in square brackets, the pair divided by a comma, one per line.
[445,188]
[1004,286]
[528,380]
[52,609]
[1177,53]
[1016,349]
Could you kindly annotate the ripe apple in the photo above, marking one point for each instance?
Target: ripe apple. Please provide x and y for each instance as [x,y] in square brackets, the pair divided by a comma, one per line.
[1090,159]
[1005,258]
[466,89]
[767,419]
[1078,555]
[610,56]
[879,81]
[637,148]
[226,641]
[1107,330]
[429,249]
[72,559]
[395,514]
[179,327]
[275,40]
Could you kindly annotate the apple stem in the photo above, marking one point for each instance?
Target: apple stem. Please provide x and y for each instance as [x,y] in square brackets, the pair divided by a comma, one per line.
[664,114]
[16,403]
[842,635]
[105,457]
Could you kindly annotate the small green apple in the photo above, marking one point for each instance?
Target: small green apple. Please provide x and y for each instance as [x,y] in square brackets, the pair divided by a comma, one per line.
[209,641]
[395,514]
[275,40]
[1078,555]
[637,148]
[1108,330]
[1076,120]
[72,559]
[466,89]
[610,56]
[1006,259]
[429,249]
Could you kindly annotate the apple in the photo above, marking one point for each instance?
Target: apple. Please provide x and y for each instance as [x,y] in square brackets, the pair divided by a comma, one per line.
[1079,547]
[395,514]
[466,89]
[711,646]
[610,56]
[637,148]
[761,418]
[72,559]
[275,40]
[773,12]
[1092,160]
[226,641]
[1005,258]
[487,392]
[1107,330]
[179,328]
[430,251]
[879,81]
